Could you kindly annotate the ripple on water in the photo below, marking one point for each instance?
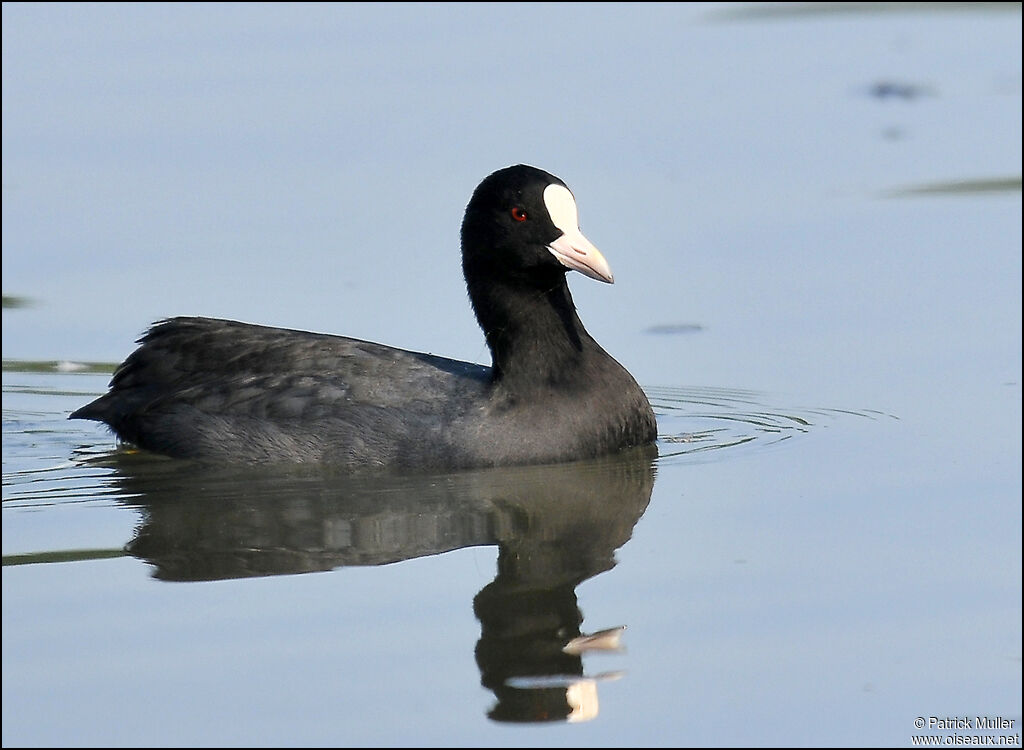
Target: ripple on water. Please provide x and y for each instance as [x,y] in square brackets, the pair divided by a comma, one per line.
[699,423]
[46,457]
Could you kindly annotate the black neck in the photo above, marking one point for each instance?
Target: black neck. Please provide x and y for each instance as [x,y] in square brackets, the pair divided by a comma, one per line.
[534,334]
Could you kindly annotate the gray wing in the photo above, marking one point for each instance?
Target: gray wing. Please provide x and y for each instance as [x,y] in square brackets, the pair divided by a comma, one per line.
[199,387]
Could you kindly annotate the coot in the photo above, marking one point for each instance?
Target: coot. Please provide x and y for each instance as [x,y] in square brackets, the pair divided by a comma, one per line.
[233,392]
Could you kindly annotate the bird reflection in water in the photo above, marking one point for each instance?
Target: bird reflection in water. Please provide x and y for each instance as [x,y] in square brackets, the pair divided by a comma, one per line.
[555,527]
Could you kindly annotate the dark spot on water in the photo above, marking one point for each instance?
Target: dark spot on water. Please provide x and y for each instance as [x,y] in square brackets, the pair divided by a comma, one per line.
[674,328]
[898,90]
[893,133]
[11,302]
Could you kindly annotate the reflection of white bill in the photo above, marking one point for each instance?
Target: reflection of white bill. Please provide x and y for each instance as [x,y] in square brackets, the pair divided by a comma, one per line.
[582,698]
[602,640]
[580,692]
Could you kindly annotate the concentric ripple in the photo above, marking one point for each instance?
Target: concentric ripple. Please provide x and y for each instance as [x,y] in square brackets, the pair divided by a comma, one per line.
[697,421]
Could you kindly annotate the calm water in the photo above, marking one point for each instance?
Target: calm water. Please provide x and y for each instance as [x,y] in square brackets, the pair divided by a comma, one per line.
[814,219]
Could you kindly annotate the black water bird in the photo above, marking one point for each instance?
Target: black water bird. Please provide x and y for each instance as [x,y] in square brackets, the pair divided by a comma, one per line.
[226,391]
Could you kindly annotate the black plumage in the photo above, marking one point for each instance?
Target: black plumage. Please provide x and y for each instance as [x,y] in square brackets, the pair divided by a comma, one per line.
[234,392]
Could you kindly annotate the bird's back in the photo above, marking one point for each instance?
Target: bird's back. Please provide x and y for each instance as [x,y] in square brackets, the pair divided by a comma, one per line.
[207,388]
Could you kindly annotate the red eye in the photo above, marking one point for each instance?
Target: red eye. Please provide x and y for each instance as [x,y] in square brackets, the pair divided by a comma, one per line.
[518,213]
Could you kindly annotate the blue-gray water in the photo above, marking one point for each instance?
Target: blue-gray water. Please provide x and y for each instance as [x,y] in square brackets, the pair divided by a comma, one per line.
[814,219]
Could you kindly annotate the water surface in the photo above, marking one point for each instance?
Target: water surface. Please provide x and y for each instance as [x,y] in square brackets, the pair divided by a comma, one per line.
[814,220]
